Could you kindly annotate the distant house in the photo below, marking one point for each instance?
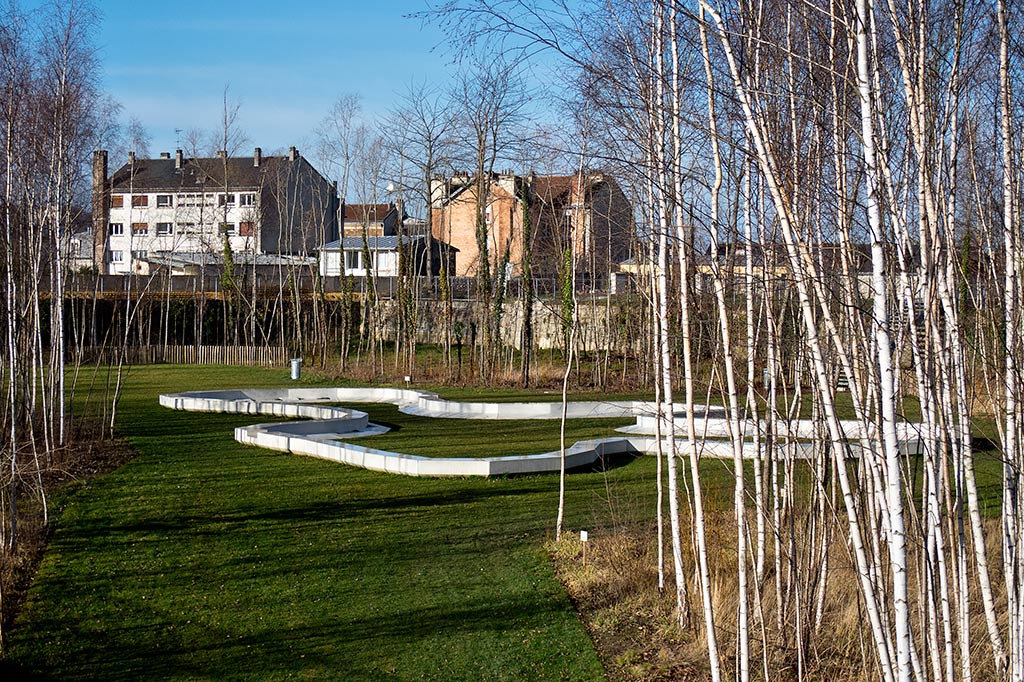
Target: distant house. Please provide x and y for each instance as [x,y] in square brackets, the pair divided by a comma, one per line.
[379,220]
[347,256]
[588,211]
[76,245]
[167,207]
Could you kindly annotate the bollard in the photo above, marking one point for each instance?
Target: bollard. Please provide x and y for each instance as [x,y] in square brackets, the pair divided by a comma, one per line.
[296,368]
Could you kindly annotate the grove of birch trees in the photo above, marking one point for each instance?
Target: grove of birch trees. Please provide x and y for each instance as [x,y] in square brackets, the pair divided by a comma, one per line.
[831,217]
[52,116]
[829,199]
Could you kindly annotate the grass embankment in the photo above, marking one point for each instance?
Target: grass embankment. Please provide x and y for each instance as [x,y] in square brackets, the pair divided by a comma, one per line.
[203,558]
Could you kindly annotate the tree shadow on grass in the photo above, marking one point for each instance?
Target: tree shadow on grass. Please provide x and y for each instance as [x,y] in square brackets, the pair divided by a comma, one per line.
[336,644]
[609,463]
[391,426]
[10,670]
[985,445]
[316,511]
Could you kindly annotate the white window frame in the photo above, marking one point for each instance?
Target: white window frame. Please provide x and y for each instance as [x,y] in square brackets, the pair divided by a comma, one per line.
[165,201]
[117,256]
[164,229]
[246,199]
[358,263]
[115,229]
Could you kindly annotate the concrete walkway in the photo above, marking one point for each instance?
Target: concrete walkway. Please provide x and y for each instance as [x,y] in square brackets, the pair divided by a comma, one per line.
[324,427]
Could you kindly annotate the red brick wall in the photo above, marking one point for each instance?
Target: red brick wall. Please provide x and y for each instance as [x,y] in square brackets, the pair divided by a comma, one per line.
[455,223]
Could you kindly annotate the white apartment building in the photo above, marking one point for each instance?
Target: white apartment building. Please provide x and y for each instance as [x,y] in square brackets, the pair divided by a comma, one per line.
[155,209]
[144,223]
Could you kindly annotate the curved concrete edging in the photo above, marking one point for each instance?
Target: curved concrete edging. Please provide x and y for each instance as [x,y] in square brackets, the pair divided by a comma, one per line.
[320,436]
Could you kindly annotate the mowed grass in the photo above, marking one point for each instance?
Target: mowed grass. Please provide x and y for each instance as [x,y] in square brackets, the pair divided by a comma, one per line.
[205,559]
[430,437]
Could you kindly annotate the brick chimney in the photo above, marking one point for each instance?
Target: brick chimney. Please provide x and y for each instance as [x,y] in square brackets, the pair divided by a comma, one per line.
[222,154]
[257,157]
[293,154]
[100,210]
[165,155]
[131,158]
[177,159]
[337,227]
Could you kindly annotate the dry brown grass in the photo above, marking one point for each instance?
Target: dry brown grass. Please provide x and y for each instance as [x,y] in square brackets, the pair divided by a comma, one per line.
[546,372]
[542,376]
[634,626]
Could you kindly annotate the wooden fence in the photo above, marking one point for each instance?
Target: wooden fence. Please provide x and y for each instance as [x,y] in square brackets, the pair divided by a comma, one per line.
[251,356]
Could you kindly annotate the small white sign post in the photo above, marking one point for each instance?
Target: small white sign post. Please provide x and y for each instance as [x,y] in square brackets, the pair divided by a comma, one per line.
[583,538]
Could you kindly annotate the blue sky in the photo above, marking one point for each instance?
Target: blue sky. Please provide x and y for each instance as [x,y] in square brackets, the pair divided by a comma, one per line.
[284,62]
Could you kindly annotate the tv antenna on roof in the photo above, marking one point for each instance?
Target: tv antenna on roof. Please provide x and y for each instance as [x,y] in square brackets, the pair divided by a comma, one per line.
[177,138]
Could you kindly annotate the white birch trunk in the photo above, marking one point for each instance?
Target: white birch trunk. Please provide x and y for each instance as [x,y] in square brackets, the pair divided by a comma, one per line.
[735,430]
[664,341]
[880,323]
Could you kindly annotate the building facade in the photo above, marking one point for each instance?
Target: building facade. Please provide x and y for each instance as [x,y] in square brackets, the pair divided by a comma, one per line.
[348,256]
[588,212]
[246,206]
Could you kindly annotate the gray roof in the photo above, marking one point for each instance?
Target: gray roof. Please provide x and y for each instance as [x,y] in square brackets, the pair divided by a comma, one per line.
[189,258]
[160,174]
[387,243]
[373,213]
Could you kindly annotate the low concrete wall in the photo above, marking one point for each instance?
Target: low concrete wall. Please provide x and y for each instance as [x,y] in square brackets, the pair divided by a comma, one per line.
[320,436]
[715,425]
[581,454]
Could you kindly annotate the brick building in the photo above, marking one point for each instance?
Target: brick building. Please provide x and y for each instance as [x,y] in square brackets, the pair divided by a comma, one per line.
[588,211]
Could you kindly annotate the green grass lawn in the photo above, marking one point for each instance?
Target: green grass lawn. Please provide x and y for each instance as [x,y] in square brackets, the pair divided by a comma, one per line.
[430,437]
[203,558]
[206,559]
